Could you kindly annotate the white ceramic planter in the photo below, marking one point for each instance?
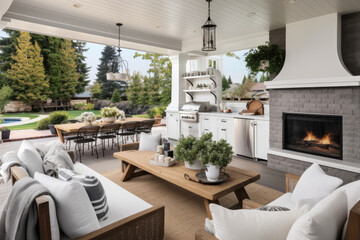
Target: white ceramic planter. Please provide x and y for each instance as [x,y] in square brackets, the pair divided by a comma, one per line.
[212,172]
[109,119]
[196,166]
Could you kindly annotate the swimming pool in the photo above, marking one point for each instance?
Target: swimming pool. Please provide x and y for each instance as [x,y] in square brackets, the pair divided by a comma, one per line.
[11,120]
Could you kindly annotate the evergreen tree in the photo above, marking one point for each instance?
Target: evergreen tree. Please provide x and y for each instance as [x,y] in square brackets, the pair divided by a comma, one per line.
[225,83]
[95,90]
[133,92]
[244,80]
[81,66]
[264,77]
[7,49]
[158,83]
[116,97]
[69,75]
[27,73]
[144,98]
[229,80]
[108,63]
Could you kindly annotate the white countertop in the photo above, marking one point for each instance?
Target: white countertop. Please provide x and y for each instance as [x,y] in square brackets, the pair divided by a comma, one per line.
[236,115]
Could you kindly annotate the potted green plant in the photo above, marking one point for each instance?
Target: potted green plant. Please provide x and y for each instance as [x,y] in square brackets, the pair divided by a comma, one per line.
[187,150]
[55,118]
[5,133]
[215,155]
[87,118]
[109,114]
[268,58]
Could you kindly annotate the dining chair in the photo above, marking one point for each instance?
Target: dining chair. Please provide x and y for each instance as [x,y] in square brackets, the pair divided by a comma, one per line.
[128,129]
[145,127]
[107,132]
[87,134]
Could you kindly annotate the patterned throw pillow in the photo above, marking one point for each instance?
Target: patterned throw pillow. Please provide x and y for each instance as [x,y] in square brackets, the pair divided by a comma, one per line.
[93,188]
[273,208]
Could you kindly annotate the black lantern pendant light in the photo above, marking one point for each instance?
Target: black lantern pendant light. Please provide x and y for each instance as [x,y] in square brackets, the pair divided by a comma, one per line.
[209,33]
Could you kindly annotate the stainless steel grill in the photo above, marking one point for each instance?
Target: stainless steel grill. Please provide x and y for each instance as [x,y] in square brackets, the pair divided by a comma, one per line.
[189,111]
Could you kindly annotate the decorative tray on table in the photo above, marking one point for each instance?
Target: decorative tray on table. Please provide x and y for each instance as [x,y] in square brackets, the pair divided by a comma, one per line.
[201,176]
[163,164]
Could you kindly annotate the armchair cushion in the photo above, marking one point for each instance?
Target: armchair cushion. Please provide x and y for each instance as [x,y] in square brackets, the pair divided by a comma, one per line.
[252,224]
[324,221]
[76,215]
[284,201]
[315,183]
[30,157]
[149,142]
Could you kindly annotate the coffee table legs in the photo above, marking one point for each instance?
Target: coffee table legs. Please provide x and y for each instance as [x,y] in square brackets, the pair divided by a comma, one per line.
[207,202]
[241,194]
[129,172]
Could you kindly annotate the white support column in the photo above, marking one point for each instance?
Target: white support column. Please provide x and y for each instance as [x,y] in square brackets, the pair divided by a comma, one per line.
[178,62]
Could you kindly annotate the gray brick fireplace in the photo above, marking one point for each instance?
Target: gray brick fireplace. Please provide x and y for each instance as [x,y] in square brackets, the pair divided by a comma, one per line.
[341,101]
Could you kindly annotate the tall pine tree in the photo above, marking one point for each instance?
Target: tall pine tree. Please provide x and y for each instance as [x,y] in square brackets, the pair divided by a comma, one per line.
[7,49]
[81,66]
[108,63]
[225,83]
[69,75]
[27,73]
[133,92]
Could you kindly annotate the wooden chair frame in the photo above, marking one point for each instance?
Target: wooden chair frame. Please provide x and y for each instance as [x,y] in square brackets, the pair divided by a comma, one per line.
[147,224]
[352,230]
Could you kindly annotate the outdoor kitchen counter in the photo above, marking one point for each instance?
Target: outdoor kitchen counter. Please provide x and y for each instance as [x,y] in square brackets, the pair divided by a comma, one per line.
[235,115]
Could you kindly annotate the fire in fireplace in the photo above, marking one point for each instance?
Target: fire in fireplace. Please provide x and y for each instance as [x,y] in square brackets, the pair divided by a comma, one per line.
[314,134]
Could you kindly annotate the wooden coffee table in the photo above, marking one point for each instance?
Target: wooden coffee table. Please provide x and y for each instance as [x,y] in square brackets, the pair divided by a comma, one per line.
[175,174]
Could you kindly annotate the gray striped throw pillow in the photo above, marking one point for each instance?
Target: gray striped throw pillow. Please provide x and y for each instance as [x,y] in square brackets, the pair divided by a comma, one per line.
[93,188]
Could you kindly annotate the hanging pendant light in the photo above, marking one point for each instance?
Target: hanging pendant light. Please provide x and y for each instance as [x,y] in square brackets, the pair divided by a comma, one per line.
[124,73]
[209,33]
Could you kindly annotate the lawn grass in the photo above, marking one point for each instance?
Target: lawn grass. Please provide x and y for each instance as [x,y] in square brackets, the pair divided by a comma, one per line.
[75,113]
[29,115]
[141,116]
[24,126]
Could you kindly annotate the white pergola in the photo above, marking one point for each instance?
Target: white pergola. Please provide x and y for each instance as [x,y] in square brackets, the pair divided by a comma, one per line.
[164,26]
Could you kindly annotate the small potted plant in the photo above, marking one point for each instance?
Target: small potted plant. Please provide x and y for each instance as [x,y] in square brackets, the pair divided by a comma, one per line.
[57,118]
[109,114]
[121,115]
[215,155]
[87,117]
[187,150]
[5,133]
[199,86]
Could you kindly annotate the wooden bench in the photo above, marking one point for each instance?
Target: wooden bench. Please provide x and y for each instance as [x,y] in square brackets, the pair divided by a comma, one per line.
[147,224]
[352,230]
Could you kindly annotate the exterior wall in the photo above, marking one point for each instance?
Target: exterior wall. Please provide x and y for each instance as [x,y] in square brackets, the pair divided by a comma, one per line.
[17,106]
[338,101]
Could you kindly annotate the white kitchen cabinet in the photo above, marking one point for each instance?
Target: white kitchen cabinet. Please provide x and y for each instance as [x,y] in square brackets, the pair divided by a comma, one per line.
[173,125]
[190,129]
[261,131]
[225,129]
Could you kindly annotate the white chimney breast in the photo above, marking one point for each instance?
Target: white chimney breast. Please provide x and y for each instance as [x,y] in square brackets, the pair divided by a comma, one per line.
[313,55]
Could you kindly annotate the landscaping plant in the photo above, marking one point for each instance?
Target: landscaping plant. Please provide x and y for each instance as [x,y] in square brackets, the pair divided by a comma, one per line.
[43,124]
[58,117]
[5,94]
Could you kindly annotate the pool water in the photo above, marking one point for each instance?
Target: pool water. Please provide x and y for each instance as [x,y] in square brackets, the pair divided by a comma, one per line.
[11,120]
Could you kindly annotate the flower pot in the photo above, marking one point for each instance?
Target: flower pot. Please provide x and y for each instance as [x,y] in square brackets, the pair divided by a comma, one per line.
[212,172]
[5,134]
[109,119]
[196,166]
[52,129]
[158,119]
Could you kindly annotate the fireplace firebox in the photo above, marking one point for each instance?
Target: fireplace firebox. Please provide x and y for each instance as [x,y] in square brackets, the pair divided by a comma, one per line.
[315,134]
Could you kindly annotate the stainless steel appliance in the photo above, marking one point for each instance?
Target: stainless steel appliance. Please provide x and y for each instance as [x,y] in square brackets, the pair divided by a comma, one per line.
[190,118]
[244,144]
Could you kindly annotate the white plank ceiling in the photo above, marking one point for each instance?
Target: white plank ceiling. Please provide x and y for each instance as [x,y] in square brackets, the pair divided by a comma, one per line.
[170,23]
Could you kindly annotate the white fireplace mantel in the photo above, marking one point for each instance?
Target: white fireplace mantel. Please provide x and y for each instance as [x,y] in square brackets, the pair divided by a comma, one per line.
[314,83]
[324,161]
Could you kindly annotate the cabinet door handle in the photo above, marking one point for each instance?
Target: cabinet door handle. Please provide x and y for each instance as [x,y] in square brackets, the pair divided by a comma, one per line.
[206,119]
[223,120]
[223,129]
[171,115]
[206,129]
[190,127]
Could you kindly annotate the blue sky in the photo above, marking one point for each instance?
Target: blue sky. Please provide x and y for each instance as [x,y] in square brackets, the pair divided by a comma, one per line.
[232,67]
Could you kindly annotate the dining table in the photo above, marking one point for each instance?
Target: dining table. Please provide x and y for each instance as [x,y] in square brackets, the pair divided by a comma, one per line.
[74,127]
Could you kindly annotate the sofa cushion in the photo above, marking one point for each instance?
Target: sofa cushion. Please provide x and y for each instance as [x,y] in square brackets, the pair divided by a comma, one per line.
[252,224]
[93,188]
[324,221]
[30,157]
[54,225]
[149,142]
[284,201]
[315,183]
[76,216]
[121,203]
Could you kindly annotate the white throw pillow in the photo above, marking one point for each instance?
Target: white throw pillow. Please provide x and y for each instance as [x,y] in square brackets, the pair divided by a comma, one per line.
[76,215]
[149,142]
[30,157]
[324,221]
[252,224]
[315,183]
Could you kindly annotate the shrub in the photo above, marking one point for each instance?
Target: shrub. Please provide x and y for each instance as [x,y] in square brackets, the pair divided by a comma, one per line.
[116,97]
[89,106]
[78,106]
[58,117]
[155,111]
[5,94]
[43,124]
[99,104]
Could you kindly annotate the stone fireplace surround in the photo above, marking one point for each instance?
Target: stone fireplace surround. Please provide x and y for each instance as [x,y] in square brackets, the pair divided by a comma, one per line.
[342,101]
